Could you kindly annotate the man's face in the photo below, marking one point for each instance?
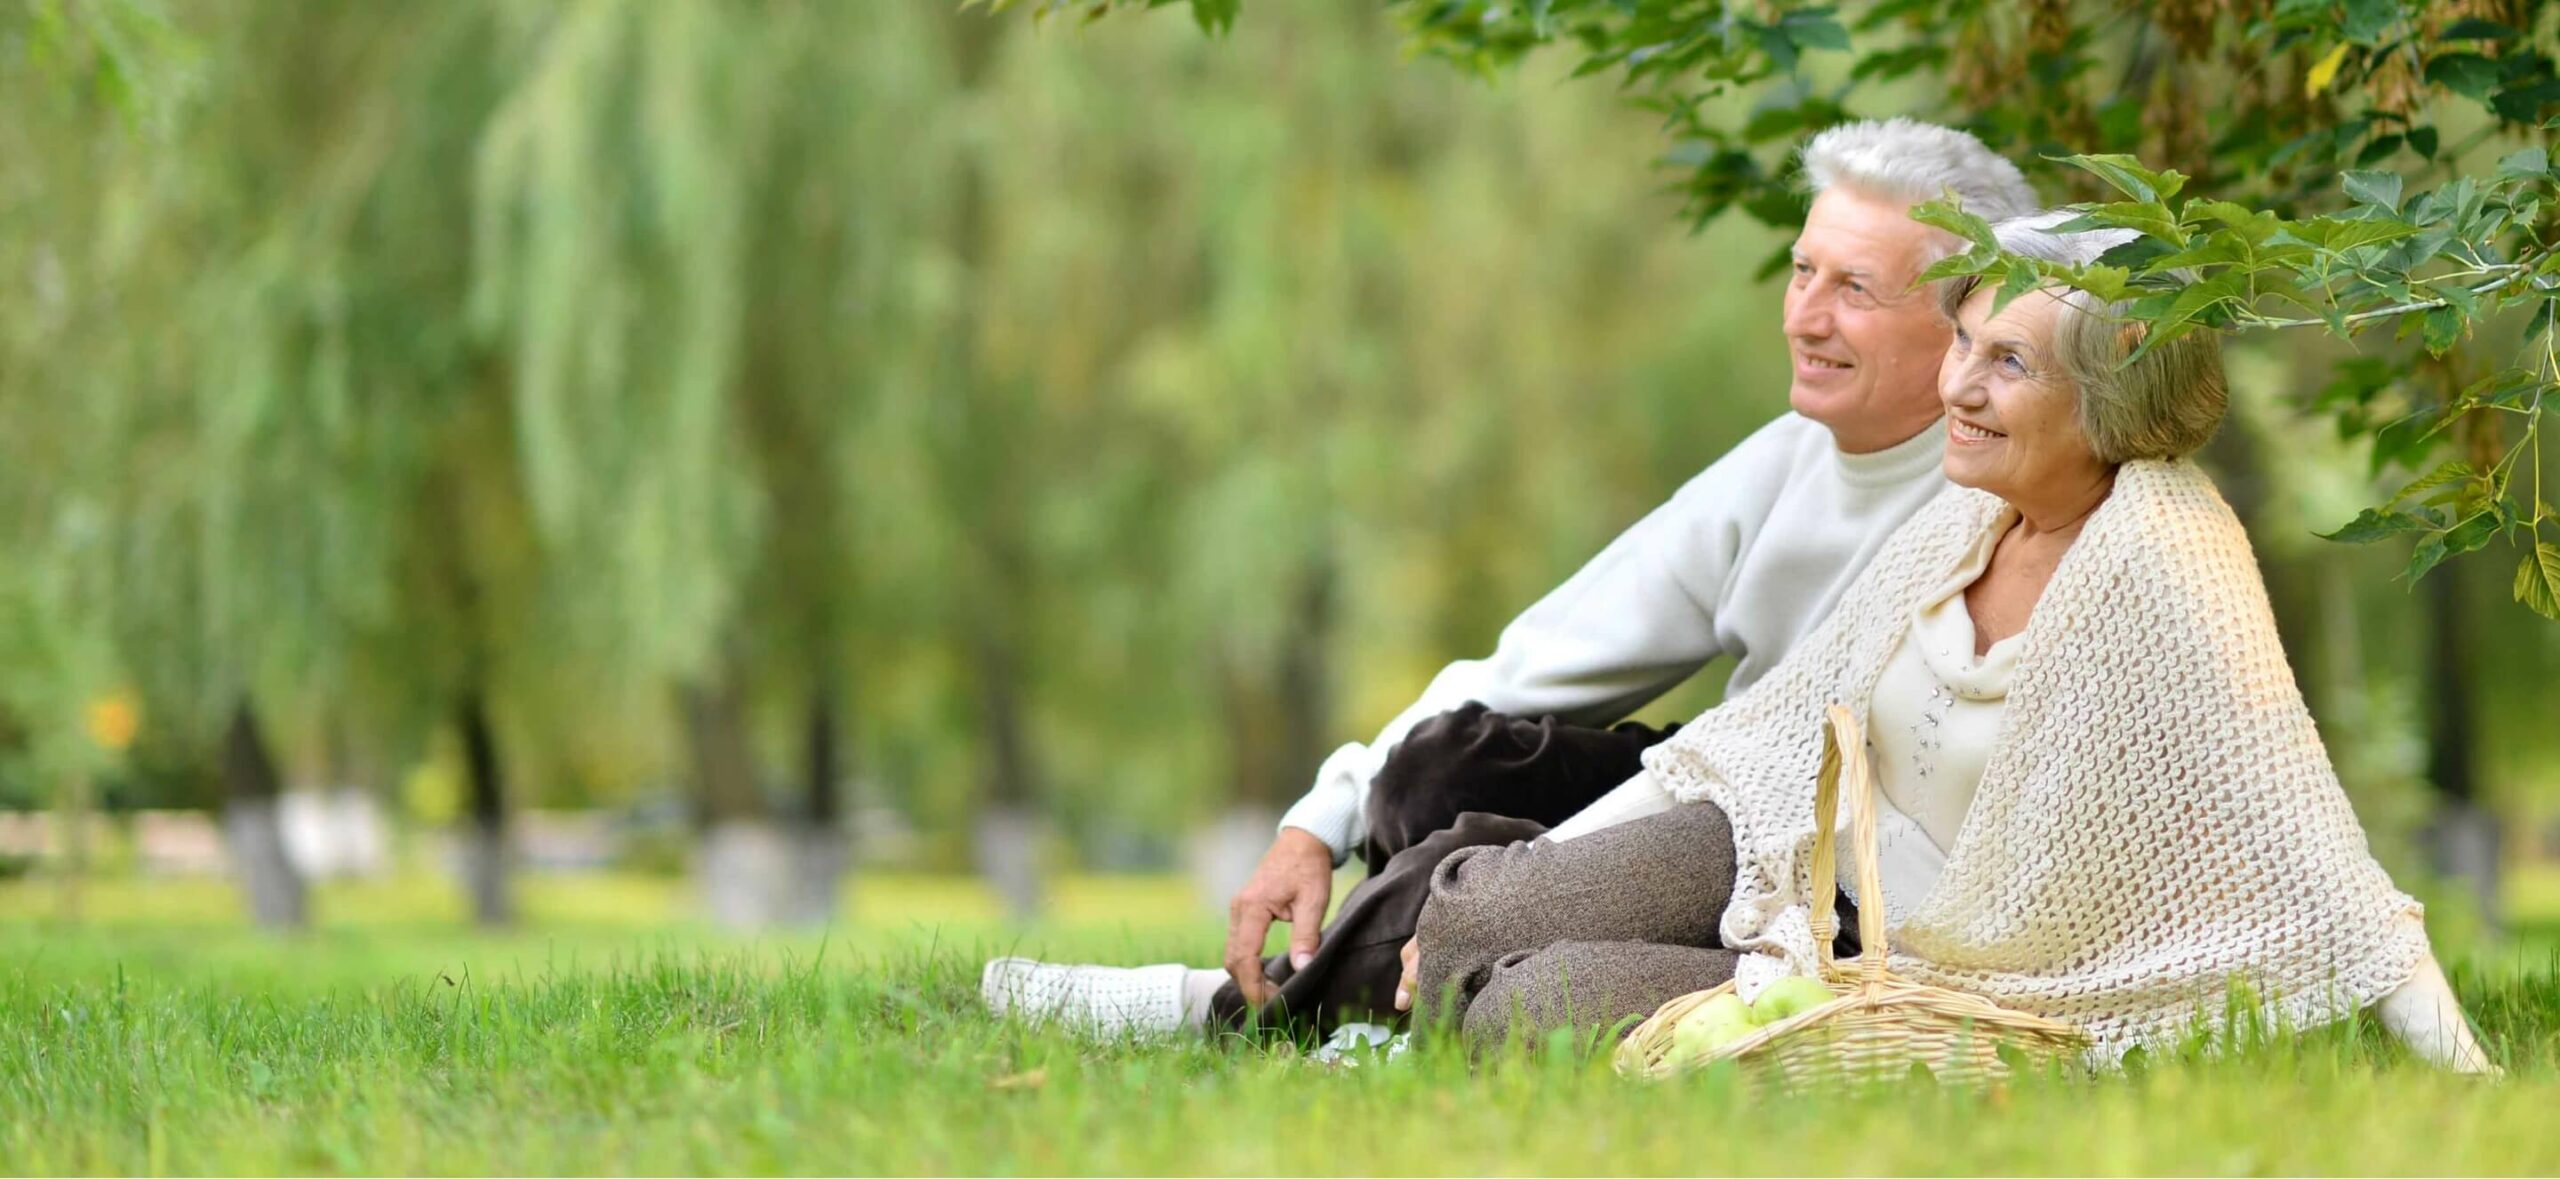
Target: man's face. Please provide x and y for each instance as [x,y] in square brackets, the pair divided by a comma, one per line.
[1865,340]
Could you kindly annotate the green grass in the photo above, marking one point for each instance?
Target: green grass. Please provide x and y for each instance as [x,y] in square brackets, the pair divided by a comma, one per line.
[159,1036]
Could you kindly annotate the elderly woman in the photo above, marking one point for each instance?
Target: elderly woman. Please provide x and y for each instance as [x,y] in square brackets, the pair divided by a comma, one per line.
[2102,799]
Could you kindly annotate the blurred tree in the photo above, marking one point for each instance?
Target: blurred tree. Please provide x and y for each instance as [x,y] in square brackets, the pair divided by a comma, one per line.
[772,397]
[2302,121]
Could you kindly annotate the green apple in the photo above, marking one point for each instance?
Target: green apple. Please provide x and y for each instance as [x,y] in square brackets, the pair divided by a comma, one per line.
[1788,996]
[1716,1023]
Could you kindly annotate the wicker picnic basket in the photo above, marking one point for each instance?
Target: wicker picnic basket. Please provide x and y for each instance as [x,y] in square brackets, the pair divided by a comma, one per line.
[1878,1025]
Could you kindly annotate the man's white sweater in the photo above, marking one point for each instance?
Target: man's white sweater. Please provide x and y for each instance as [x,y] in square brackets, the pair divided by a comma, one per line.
[1744,560]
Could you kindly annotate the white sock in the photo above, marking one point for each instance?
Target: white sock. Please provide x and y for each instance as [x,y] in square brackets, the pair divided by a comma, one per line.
[1197,987]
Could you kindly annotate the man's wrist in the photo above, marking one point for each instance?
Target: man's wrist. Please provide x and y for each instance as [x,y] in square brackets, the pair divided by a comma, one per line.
[1302,840]
[1329,818]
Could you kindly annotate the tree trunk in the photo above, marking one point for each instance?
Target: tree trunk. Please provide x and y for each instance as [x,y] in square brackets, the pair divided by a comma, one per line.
[250,787]
[78,801]
[1008,829]
[743,862]
[825,849]
[2463,839]
[486,856]
[1275,735]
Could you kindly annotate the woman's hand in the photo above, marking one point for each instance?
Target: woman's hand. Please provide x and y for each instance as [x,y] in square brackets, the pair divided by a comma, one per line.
[1407,985]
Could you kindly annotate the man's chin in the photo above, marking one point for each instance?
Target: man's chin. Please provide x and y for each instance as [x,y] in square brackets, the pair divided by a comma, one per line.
[1826,404]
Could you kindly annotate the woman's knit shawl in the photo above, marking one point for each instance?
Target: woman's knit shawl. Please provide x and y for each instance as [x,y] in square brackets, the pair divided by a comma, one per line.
[2156,821]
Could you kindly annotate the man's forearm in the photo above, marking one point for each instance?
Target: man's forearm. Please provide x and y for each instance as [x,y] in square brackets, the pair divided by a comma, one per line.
[1333,810]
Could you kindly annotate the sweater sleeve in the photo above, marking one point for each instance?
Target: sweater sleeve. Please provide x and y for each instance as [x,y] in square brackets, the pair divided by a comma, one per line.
[1633,799]
[1629,626]
[2424,1014]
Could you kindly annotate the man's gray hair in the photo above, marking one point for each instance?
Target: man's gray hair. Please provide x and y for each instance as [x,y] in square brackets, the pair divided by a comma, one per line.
[2165,404]
[1908,160]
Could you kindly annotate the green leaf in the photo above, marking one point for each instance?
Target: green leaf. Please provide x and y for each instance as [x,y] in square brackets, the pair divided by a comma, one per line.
[2340,234]
[2199,299]
[2149,218]
[2443,328]
[2220,248]
[1813,28]
[1775,42]
[2472,28]
[2374,188]
[1959,266]
[2524,102]
[2538,580]
[2368,20]
[2407,438]
[2127,175]
[1776,262]
[2467,74]
[2374,524]
[2108,283]
[2457,297]
[2511,387]
[2022,279]
[2529,163]
[2461,538]
[2444,475]
[1215,16]
[1948,215]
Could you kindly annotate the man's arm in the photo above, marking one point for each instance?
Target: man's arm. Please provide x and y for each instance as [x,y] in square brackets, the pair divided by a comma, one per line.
[1630,625]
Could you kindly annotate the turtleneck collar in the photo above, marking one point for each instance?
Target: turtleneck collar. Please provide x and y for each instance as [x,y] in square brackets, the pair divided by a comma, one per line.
[1897,462]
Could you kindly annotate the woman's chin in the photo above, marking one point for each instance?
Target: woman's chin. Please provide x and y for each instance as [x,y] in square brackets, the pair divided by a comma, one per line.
[1963,472]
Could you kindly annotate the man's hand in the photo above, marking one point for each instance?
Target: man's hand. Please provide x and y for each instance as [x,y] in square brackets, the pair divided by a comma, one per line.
[1412,980]
[1293,884]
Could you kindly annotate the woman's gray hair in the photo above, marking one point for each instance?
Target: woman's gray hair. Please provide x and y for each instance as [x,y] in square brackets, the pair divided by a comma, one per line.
[2164,404]
[1908,160]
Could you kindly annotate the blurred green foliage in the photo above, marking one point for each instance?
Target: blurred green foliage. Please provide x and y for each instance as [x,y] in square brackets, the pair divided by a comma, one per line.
[583,352]
[1112,419]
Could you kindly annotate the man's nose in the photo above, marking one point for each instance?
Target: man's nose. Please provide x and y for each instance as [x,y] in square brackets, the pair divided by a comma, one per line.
[1808,315]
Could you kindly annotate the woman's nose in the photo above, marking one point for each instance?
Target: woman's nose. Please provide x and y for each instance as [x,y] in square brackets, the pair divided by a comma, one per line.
[1958,383]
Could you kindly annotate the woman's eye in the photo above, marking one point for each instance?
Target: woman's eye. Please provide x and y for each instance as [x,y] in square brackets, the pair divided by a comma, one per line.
[2014,365]
[1964,343]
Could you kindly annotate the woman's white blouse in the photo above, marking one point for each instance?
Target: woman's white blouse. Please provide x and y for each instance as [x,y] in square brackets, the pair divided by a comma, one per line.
[1931,725]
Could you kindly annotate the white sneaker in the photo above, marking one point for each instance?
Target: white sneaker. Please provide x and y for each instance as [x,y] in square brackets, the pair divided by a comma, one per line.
[1096,1000]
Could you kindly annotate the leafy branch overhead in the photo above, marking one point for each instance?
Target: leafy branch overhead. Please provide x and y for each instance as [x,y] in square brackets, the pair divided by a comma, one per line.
[2433,265]
[2336,166]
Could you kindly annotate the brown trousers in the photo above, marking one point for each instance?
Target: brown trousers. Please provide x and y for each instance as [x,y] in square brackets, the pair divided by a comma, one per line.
[1581,933]
[1466,778]
[1595,932]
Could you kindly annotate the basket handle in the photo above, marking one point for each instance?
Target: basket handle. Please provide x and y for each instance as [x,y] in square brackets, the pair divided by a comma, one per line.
[1845,770]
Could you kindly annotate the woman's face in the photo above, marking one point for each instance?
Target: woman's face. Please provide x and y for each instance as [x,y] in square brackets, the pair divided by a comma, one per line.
[2013,424]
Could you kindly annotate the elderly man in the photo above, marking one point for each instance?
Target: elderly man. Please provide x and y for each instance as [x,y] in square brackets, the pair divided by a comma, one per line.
[1744,559]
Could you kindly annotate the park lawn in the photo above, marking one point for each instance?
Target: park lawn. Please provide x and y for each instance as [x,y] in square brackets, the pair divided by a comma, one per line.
[161,1036]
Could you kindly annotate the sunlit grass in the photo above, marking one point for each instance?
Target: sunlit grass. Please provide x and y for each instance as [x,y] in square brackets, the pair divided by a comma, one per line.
[163,1036]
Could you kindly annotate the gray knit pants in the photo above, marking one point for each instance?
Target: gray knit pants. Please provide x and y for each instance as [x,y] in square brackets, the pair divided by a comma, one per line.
[1540,935]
